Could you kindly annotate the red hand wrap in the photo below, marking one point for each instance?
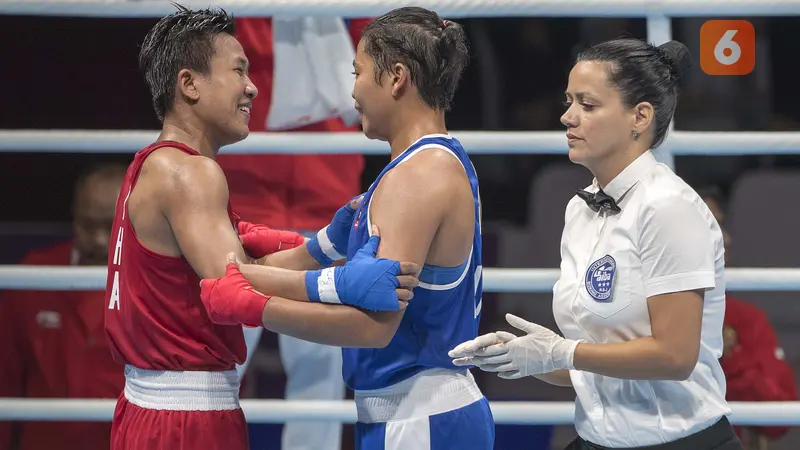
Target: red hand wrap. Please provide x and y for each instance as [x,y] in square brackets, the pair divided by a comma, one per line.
[245,227]
[231,300]
[260,240]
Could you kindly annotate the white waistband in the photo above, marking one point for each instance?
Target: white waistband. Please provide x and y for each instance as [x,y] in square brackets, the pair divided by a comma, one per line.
[182,390]
[433,391]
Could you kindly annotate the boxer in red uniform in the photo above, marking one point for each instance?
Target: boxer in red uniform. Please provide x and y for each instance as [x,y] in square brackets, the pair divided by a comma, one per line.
[173,225]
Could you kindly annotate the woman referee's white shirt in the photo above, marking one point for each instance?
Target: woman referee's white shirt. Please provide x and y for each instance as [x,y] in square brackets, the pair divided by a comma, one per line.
[663,240]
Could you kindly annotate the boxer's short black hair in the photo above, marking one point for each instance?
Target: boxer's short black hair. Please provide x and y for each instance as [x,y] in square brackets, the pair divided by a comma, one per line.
[181,40]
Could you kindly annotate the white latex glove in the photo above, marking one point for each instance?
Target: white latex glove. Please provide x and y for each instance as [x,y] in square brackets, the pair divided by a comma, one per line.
[539,351]
[486,345]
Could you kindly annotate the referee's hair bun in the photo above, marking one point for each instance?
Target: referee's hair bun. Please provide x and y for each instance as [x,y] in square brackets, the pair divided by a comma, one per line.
[677,57]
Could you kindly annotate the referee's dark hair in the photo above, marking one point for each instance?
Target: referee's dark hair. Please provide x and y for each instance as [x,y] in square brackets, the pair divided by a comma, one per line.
[642,72]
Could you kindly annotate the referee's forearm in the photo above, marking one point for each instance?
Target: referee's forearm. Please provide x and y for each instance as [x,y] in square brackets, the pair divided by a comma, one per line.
[638,359]
[557,378]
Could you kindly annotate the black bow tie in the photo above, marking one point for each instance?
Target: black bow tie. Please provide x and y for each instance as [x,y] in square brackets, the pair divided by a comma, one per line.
[598,201]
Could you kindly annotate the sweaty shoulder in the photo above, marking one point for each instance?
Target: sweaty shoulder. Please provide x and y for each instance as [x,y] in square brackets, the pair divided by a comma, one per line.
[436,171]
[426,183]
[429,193]
[183,176]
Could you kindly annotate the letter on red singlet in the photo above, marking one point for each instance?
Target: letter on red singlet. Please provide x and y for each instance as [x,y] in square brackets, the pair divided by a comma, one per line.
[113,303]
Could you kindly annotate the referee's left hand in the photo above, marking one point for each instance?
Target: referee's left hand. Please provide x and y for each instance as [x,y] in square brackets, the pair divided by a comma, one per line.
[539,351]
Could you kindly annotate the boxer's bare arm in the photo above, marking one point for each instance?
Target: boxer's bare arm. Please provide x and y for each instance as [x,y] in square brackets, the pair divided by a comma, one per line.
[408,206]
[297,258]
[425,211]
[414,206]
[195,202]
[336,325]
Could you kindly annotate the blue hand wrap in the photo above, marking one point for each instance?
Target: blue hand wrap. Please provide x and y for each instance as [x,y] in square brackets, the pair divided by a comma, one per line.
[330,243]
[365,281]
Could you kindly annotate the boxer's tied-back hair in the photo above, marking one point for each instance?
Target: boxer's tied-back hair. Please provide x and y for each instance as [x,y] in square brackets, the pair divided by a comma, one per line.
[181,40]
[434,50]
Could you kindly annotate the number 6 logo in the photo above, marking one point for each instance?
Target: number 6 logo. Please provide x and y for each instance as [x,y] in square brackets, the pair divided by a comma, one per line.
[727,43]
[727,47]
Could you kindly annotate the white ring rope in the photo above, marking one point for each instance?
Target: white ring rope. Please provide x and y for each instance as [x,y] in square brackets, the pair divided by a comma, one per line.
[476,142]
[495,279]
[446,8]
[279,411]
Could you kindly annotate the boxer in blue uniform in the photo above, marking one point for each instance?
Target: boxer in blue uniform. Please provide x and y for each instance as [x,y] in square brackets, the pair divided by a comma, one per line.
[426,206]
[426,203]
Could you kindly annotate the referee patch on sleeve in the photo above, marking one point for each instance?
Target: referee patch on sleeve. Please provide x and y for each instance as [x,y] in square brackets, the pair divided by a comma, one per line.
[600,278]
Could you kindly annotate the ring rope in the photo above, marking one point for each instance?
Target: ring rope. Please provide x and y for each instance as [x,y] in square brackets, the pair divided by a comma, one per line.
[495,279]
[279,411]
[477,142]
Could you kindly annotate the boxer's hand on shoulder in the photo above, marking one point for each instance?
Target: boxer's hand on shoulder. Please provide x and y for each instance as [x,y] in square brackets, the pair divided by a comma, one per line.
[330,243]
[260,240]
[231,299]
[367,282]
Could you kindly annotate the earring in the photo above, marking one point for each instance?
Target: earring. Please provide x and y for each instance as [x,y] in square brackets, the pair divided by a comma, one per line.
[635,134]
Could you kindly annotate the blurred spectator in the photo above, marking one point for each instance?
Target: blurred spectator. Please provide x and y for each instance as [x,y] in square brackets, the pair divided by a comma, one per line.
[52,344]
[752,359]
[299,192]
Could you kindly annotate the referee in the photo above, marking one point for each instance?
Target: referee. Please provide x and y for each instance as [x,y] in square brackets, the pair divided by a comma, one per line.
[641,296]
